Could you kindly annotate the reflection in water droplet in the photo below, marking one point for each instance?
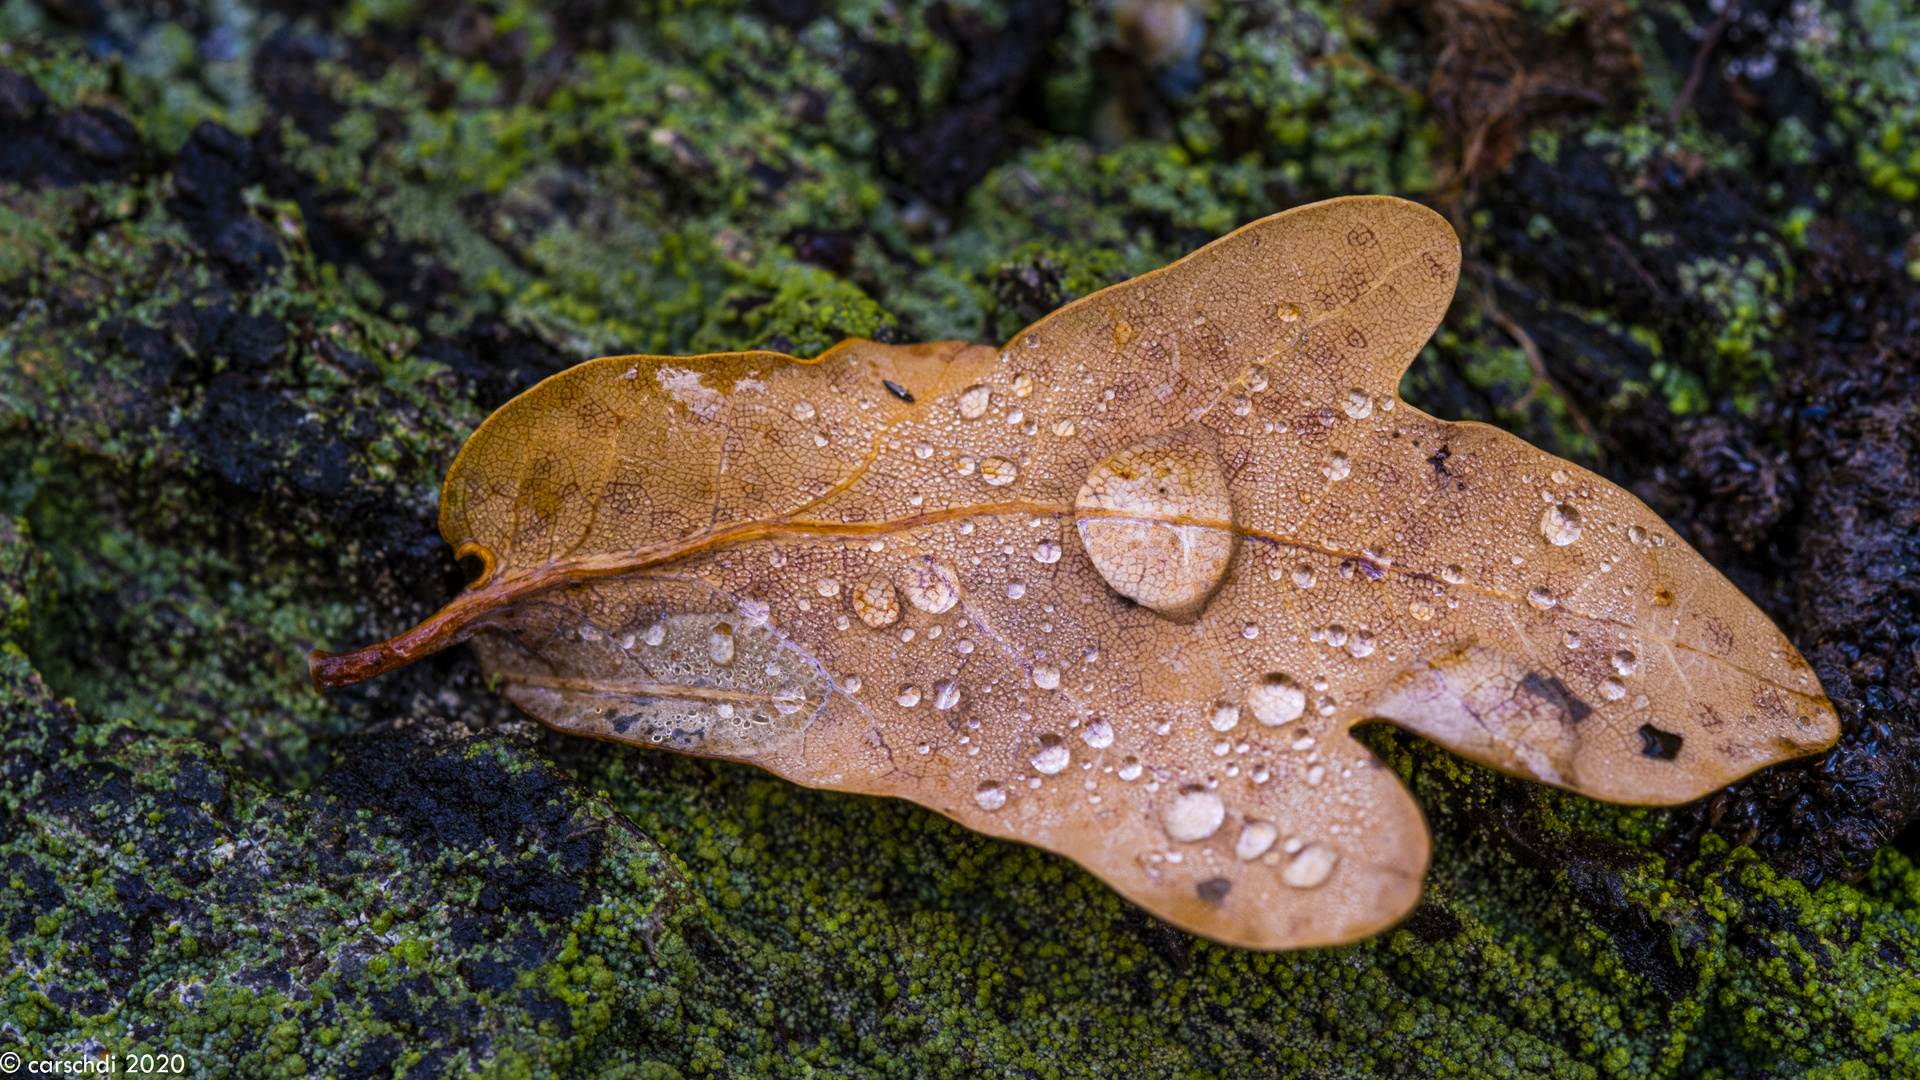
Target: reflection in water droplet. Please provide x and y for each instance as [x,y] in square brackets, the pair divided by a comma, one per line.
[1033,341]
[1338,466]
[991,796]
[1224,717]
[922,451]
[1358,405]
[946,696]
[1303,576]
[1571,639]
[1129,769]
[1336,635]
[973,402]
[1625,662]
[1053,755]
[656,634]
[1169,568]
[1066,429]
[964,466]
[1612,689]
[1277,700]
[1636,534]
[720,644]
[1311,867]
[1362,644]
[998,471]
[1016,590]
[875,602]
[1022,384]
[803,411]
[929,584]
[1014,416]
[1420,610]
[1560,524]
[1046,678]
[1099,734]
[1541,597]
[1255,838]
[1453,575]
[1046,551]
[1194,814]
[908,697]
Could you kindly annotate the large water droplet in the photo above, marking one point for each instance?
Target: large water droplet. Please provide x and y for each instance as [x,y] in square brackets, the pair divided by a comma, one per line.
[1453,574]
[1129,769]
[1625,662]
[827,586]
[875,602]
[720,644]
[1303,576]
[946,695]
[1046,551]
[1046,678]
[1541,597]
[922,451]
[1361,645]
[973,402]
[1169,567]
[929,584]
[1022,384]
[1310,867]
[1420,610]
[1636,534]
[1099,734]
[998,471]
[1194,814]
[1560,524]
[1339,466]
[990,796]
[908,697]
[1052,756]
[656,634]
[1225,717]
[1016,590]
[1278,699]
[1255,838]
[1358,405]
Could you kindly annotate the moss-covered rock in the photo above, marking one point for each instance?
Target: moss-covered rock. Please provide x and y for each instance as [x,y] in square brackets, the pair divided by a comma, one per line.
[262,270]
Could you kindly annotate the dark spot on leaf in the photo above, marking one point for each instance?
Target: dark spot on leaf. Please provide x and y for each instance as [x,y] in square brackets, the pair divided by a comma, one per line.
[1655,743]
[1555,692]
[898,391]
[1214,890]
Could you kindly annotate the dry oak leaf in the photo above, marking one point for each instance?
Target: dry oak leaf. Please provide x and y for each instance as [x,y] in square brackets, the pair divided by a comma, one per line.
[1118,590]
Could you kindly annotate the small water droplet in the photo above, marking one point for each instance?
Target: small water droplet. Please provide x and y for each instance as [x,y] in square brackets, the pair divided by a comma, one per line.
[964,466]
[1033,341]
[819,439]
[1129,769]
[1016,590]
[973,402]
[875,601]
[1289,313]
[1571,639]
[998,471]
[1046,551]
[1303,576]
[1358,405]
[1249,631]
[852,683]
[656,634]
[1560,476]
[1625,662]
[1193,814]
[1453,575]
[1066,429]
[930,584]
[1046,678]
[1015,416]
[1541,597]
[990,796]
[1255,838]
[1420,610]
[1362,644]
[1278,699]
[1338,467]
[1053,755]
[1099,734]
[803,411]
[946,696]
[1636,534]
[1310,867]
[1260,774]
[1335,635]
[922,451]
[1612,689]
[720,644]
[754,612]
[1560,524]
[1022,384]
[908,697]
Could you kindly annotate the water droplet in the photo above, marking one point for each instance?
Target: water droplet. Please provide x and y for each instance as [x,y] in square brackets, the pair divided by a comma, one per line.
[1636,534]
[998,471]
[1335,635]
[875,602]
[1420,610]
[922,451]
[720,644]
[1541,597]
[1052,756]
[973,402]
[1625,662]
[908,697]
[1571,639]
[946,696]
[1255,838]
[1066,429]
[1016,590]
[964,466]
[929,584]
[754,612]
[1362,644]
[1612,689]
[1277,700]
[1171,569]
[1046,551]
[990,796]
[1194,814]
[787,700]
[1311,867]
[803,411]
[1289,313]
[1033,341]
[1560,524]
[1224,717]
[1453,575]
[1046,678]
[1249,631]
[1099,734]
[852,683]
[1260,775]
[1358,405]
[1339,466]
[1560,476]
[656,634]
[1022,384]
[1015,416]
[1129,769]
[1303,576]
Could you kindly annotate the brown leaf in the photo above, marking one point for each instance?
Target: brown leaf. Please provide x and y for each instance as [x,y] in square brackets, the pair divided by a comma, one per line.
[1119,590]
